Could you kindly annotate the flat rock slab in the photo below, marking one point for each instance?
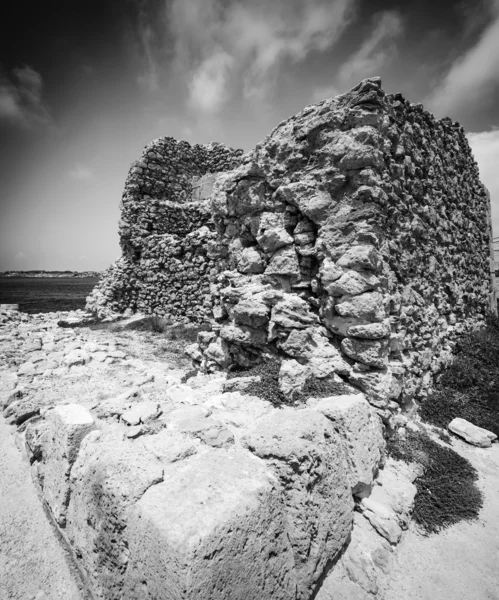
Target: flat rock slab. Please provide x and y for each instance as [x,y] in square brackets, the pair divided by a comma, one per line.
[213,530]
[471,433]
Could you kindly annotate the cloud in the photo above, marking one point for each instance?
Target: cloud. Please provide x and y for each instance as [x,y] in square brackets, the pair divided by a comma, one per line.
[376,49]
[208,86]
[81,173]
[150,78]
[374,53]
[21,98]
[226,45]
[472,78]
[19,256]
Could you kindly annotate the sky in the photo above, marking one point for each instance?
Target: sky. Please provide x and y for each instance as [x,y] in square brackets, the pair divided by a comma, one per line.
[85,85]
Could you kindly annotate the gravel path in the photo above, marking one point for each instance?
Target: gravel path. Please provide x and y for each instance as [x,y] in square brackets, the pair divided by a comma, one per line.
[33,564]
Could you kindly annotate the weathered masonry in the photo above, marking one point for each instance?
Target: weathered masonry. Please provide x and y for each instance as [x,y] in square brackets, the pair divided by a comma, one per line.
[353,241]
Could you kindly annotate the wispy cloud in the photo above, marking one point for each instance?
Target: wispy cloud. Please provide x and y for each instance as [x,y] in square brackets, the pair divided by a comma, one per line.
[149,79]
[21,98]
[472,78]
[374,53]
[81,173]
[376,49]
[227,45]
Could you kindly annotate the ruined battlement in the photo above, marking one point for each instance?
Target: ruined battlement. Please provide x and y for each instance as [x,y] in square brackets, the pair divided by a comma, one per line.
[353,242]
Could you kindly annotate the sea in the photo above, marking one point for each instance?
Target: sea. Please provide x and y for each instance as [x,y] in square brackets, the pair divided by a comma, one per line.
[46,294]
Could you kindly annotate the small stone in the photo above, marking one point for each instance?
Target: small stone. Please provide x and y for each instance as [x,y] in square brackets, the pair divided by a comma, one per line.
[75,358]
[135,431]
[141,413]
[471,433]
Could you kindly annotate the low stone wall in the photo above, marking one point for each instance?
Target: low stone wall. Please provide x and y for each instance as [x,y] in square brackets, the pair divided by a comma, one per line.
[165,229]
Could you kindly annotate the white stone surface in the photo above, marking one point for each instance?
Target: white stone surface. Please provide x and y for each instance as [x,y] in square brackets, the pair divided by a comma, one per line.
[471,433]
[213,530]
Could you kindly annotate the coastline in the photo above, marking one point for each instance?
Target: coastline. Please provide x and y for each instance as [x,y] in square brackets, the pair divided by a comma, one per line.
[50,274]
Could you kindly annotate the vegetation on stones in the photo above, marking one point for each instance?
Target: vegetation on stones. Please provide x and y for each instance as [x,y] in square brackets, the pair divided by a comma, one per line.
[446,492]
[268,386]
[188,375]
[469,386]
[172,331]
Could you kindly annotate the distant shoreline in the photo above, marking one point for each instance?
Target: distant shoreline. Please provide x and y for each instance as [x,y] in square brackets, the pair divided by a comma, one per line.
[79,274]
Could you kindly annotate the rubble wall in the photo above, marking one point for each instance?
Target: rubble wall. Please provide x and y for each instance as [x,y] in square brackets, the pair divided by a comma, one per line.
[353,242]
[165,230]
[358,235]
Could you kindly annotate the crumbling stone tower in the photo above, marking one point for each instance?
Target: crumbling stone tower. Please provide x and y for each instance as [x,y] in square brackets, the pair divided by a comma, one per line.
[353,241]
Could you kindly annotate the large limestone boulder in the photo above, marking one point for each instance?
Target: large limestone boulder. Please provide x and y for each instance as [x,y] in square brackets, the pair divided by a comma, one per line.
[66,427]
[110,475]
[213,530]
[308,459]
[361,434]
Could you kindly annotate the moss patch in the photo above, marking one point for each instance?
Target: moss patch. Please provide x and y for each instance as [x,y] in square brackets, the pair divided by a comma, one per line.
[447,491]
[469,386]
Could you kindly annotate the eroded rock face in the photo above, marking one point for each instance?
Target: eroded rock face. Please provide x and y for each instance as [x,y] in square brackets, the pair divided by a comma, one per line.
[214,529]
[361,433]
[310,463]
[110,475]
[66,428]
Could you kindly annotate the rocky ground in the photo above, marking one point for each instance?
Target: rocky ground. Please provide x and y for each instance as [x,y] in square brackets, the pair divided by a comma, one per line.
[150,440]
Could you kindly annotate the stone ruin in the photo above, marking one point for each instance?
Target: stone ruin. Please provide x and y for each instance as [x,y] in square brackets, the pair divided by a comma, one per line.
[351,246]
[353,243]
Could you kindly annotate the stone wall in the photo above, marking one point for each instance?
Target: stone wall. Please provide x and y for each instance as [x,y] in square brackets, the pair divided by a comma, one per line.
[359,235]
[165,229]
[353,242]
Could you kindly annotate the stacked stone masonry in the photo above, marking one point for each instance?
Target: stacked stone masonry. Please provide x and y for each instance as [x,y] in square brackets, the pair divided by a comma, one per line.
[353,242]
[165,231]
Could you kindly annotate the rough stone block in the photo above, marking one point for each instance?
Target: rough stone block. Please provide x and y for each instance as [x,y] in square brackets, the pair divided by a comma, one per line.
[369,352]
[361,433]
[67,426]
[109,476]
[213,530]
[308,458]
